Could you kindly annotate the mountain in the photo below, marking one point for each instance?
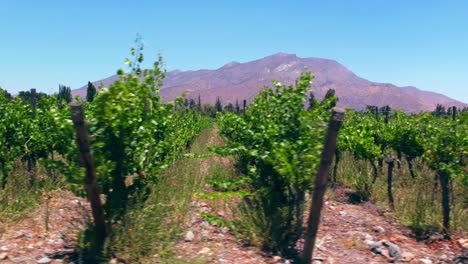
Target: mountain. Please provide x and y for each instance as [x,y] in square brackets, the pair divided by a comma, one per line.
[244,80]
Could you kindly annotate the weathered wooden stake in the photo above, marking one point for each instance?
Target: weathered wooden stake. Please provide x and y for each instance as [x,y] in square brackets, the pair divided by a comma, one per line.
[46,212]
[87,162]
[391,164]
[321,182]
[33,103]
[335,167]
[444,184]
[32,156]
[410,167]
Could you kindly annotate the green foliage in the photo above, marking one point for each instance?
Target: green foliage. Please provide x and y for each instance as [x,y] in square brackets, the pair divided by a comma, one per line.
[358,135]
[133,135]
[216,220]
[442,143]
[21,136]
[228,184]
[446,145]
[278,144]
[5,93]
[407,135]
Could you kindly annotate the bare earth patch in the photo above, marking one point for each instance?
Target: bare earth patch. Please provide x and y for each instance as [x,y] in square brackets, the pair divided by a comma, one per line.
[347,234]
[215,244]
[27,241]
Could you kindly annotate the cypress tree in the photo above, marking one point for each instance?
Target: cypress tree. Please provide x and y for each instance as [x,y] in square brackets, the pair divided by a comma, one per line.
[64,94]
[218,105]
[331,93]
[90,92]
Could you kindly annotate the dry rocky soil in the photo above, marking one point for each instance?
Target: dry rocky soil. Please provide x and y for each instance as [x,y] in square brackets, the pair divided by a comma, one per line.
[28,241]
[348,234]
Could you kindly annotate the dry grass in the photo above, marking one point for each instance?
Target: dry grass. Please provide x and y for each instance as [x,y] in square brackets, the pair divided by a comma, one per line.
[18,199]
[150,229]
[417,201]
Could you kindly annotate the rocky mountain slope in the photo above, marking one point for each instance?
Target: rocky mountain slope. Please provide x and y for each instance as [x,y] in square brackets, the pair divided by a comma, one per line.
[239,81]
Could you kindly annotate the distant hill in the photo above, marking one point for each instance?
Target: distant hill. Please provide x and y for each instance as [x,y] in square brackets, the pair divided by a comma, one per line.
[244,80]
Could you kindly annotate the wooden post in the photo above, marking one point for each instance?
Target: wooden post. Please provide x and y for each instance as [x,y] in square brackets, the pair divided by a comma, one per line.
[87,162]
[444,184]
[33,103]
[454,112]
[32,156]
[321,182]
[387,113]
[390,163]
[410,166]
[46,212]
[335,167]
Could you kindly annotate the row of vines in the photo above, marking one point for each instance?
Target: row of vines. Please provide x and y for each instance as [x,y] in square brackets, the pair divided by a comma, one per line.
[278,142]
[441,144]
[132,133]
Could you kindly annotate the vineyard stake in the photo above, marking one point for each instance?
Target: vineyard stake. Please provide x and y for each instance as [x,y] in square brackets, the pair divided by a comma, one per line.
[444,184]
[321,182]
[46,212]
[390,163]
[33,103]
[87,162]
[32,156]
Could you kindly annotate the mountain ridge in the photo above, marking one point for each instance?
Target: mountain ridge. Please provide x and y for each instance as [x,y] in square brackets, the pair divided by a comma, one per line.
[238,81]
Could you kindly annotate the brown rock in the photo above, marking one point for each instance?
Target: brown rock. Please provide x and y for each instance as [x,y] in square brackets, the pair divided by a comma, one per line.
[204,251]
[18,235]
[3,256]
[44,260]
[378,229]
[463,242]
[421,261]
[189,236]
[407,256]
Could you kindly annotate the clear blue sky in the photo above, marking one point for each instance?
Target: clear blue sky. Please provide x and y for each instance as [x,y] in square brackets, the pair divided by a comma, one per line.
[421,43]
